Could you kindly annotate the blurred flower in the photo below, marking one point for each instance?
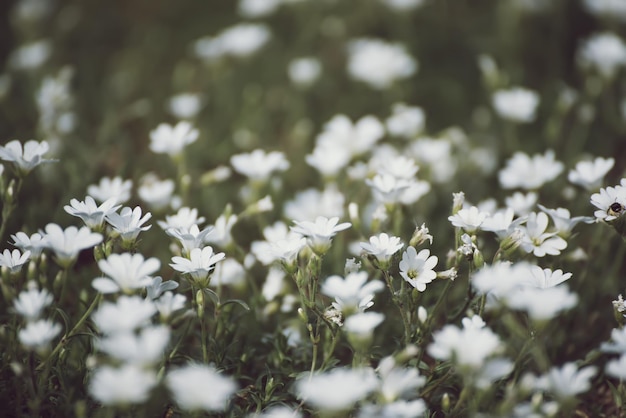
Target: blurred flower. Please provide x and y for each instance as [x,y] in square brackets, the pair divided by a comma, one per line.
[320,233]
[24,158]
[31,303]
[589,174]
[279,411]
[241,40]
[111,188]
[436,156]
[185,105]
[35,243]
[388,189]
[528,173]
[397,409]
[31,56]
[142,349]
[354,293]
[522,204]
[611,203]
[156,193]
[405,121]
[567,381]
[417,268]
[360,328]
[168,303]
[66,244]
[311,203]
[617,368]
[259,165]
[468,347]
[396,381]
[183,219]
[199,265]
[563,222]
[542,304]
[126,314]
[257,8]
[537,240]
[38,335]
[158,286]
[304,71]
[221,233]
[228,273]
[91,214]
[379,63]
[604,53]
[126,272]
[545,278]
[14,260]
[494,369]
[516,104]
[382,247]
[617,343]
[337,389]
[171,140]
[611,9]
[197,387]
[470,219]
[403,5]
[502,223]
[128,223]
[127,384]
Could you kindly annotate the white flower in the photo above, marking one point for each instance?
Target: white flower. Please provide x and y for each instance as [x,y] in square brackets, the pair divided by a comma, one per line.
[221,232]
[610,9]
[200,387]
[259,165]
[171,140]
[278,411]
[285,250]
[183,219]
[320,233]
[405,121]
[111,188]
[516,104]
[604,53]
[328,159]
[468,347]
[35,243]
[388,189]
[91,214]
[470,219]
[67,243]
[304,71]
[126,314]
[142,349]
[39,334]
[241,40]
[128,384]
[611,203]
[403,5]
[417,268]
[589,174]
[337,389]
[563,222]
[362,324]
[128,223]
[158,286]
[31,303]
[228,273]
[436,155]
[257,8]
[352,293]
[26,158]
[31,55]
[567,381]
[200,263]
[502,223]
[191,237]
[395,381]
[542,304]
[382,246]
[537,240]
[522,204]
[494,369]
[156,193]
[528,173]
[545,278]
[311,203]
[14,260]
[617,368]
[126,272]
[618,342]
[379,63]
[397,409]
[169,303]
[185,105]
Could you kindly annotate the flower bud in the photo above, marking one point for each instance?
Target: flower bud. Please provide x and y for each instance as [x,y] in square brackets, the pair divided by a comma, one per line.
[458,199]
[420,236]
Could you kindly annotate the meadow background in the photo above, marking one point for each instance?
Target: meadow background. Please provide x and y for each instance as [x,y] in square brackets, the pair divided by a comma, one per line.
[119,63]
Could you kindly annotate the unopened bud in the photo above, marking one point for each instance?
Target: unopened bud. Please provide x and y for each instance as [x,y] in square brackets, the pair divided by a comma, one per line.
[420,236]
[458,199]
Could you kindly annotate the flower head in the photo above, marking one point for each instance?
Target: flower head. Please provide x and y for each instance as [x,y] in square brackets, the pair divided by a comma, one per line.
[259,165]
[199,265]
[171,140]
[198,387]
[604,53]
[337,389]
[67,243]
[567,381]
[31,303]
[128,223]
[382,247]
[354,293]
[529,173]
[143,348]
[470,219]
[379,63]
[126,314]
[537,240]
[14,260]
[611,203]
[109,188]
[319,234]
[417,268]
[24,158]
[125,272]
[516,104]
[91,214]
[589,174]
[39,334]
[35,243]
[128,384]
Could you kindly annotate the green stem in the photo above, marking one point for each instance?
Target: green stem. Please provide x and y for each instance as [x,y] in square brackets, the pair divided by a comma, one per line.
[72,332]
